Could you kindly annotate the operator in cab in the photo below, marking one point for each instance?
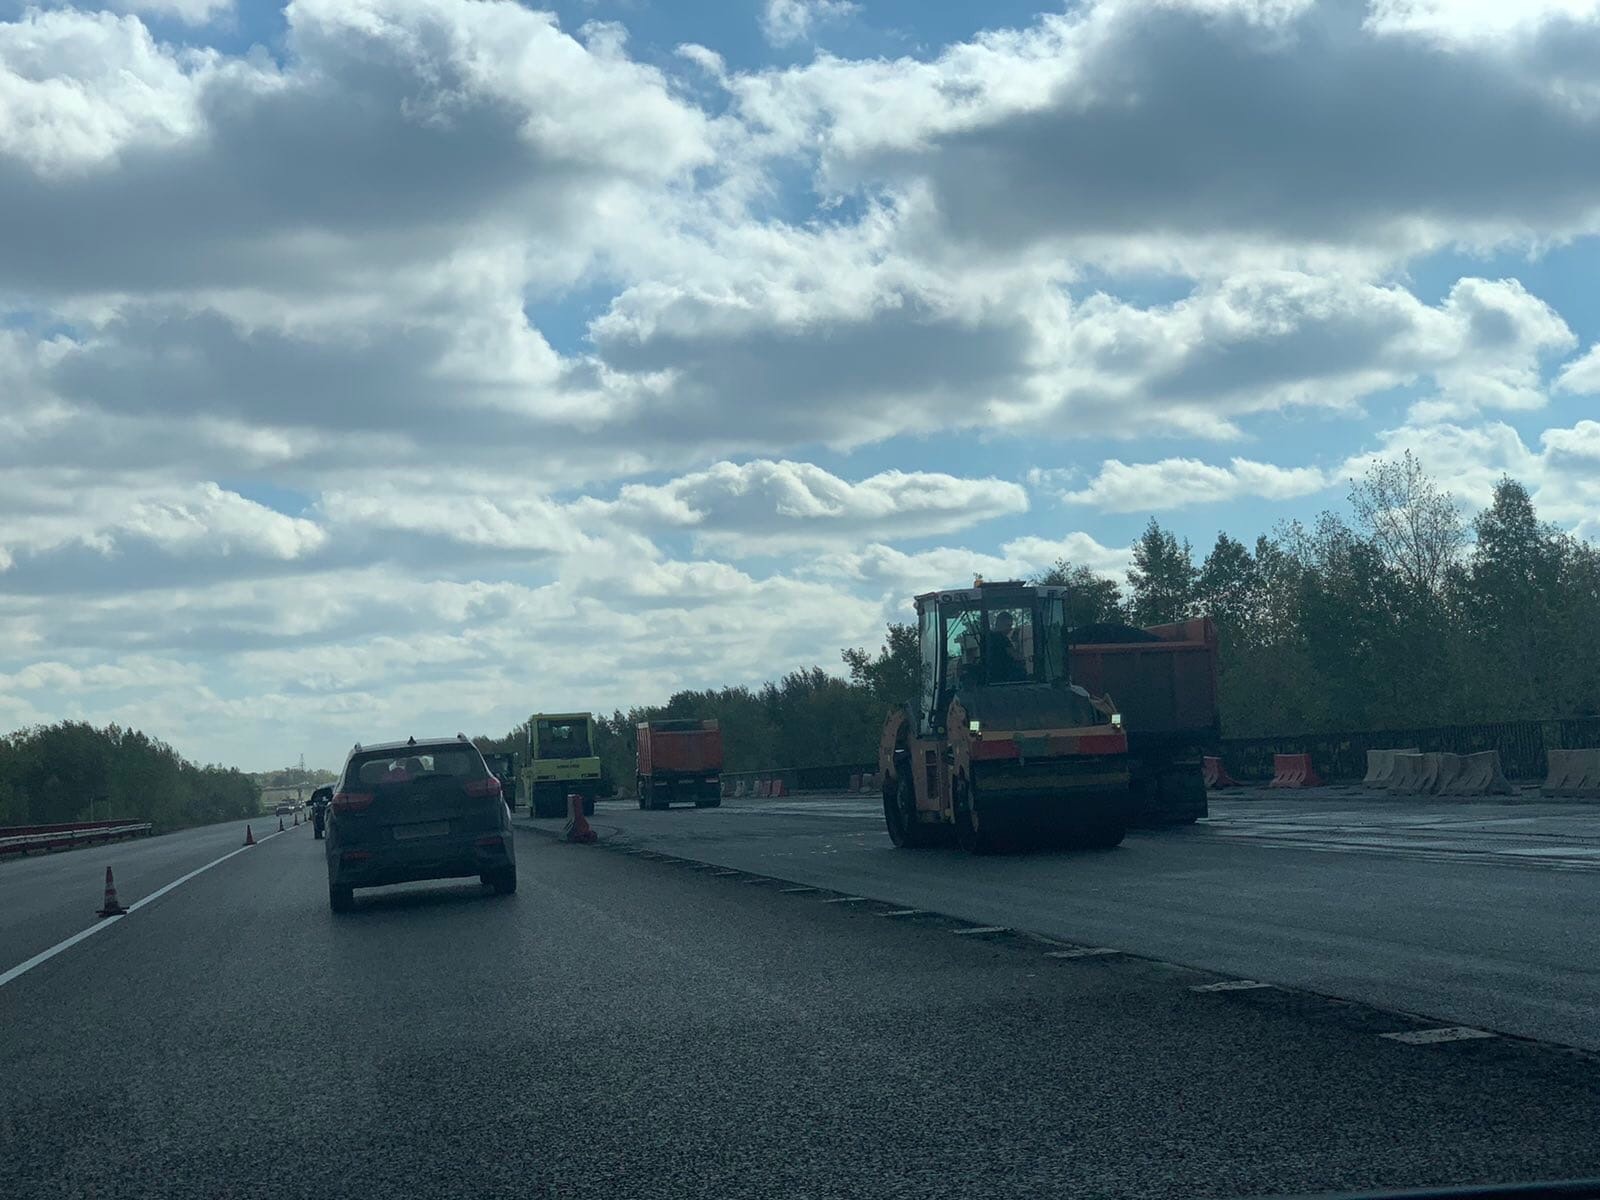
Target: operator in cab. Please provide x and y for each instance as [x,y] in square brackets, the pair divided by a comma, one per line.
[1004,663]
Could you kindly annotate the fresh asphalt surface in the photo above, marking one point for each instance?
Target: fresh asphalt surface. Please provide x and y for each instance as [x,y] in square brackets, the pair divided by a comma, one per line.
[632,1027]
[1483,912]
[47,897]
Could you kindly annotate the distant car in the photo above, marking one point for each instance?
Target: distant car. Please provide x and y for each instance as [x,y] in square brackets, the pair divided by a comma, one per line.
[283,810]
[418,809]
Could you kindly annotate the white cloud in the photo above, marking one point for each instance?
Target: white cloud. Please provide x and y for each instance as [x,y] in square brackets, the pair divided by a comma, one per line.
[1467,20]
[785,22]
[1197,133]
[768,507]
[191,12]
[1582,374]
[1180,482]
[77,88]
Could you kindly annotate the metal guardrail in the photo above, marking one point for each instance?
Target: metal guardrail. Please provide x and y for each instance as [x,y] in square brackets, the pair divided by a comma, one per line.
[64,837]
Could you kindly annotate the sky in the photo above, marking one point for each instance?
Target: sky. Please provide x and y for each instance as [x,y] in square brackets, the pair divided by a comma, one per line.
[375,367]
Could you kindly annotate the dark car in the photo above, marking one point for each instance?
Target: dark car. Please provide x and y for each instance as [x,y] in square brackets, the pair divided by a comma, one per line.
[320,799]
[417,810]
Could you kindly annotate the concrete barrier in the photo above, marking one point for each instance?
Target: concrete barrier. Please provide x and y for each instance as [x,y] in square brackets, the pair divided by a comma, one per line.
[1449,770]
[1413,773]
[1294,771]
[855,783]
[1478,775]
[739,790]
[1215,774]
[1380,766]
[1572,773]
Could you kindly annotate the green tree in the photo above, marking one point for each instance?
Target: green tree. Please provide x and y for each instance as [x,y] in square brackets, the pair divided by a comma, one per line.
[1416,527]
[1162,580]
[891,677]
[1091,599]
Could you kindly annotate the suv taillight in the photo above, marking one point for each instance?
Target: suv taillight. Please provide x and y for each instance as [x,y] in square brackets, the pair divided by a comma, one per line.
[489,786]
[352,801]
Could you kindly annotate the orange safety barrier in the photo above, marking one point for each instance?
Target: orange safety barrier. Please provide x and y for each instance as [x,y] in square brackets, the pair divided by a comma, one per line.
[1215,774]
[1294,771]
[578,828]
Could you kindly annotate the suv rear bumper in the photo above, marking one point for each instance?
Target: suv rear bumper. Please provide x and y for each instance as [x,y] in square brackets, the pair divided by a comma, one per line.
[454,857]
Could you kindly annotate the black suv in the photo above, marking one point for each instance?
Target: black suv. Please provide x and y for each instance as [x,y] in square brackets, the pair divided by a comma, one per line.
[417,810]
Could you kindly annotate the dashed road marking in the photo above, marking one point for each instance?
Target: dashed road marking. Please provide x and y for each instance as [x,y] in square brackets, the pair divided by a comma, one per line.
[797,889]
[980,929]
[902,912]
[728,872]
[1229,985]
[845,900]
[1082,952]
[1427,1037]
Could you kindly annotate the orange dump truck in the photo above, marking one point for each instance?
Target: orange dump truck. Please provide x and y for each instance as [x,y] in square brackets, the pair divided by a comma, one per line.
[679,760]
[1163,680]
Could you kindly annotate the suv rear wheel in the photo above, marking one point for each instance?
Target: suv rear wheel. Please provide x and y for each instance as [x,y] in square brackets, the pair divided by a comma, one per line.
[503,880]
[341,899]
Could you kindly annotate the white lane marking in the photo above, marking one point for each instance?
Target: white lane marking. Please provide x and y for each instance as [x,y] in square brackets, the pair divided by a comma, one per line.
[798,889]
[902,912]
[729,872]
[1427,1037]
[845,900]
[1082,952]
[1229,985]
[44,956]
[980,929]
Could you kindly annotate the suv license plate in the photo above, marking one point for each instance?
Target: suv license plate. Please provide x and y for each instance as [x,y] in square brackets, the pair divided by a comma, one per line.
[427,829]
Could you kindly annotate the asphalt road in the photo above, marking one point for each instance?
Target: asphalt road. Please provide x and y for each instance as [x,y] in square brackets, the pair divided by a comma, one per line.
[47,897]
[1486,913]
[630,1027]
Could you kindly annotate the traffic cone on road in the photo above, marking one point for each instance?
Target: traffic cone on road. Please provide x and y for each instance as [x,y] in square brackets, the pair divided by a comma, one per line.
[578,829]
[280,824]
[112,906]
[297,816]
[249,838]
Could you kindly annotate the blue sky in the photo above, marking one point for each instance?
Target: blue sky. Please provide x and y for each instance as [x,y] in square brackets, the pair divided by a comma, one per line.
[383,366]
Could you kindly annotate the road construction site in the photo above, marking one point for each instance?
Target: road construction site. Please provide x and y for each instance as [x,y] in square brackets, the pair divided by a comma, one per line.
[1297,993]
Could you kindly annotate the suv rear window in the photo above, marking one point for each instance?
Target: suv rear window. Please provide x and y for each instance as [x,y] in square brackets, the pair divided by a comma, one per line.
[414,762]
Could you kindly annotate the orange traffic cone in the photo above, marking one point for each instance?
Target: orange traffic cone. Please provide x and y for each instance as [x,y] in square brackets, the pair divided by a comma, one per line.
[578,829]
[297,816]
[280,824]
[112,906]
[249,838]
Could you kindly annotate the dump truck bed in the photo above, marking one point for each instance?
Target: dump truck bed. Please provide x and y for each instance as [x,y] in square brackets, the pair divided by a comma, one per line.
[669,748]
[1166,688]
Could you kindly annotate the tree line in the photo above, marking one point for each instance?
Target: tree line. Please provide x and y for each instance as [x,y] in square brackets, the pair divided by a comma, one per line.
[1399,615]
[71,771]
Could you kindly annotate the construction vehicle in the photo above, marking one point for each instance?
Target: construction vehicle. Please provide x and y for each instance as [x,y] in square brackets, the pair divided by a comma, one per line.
[504,767]
[1163,680]
[561,762]
[1000,747]
[679,760]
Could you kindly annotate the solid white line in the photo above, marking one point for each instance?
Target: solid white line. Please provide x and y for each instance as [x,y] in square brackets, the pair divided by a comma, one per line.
[44,956]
